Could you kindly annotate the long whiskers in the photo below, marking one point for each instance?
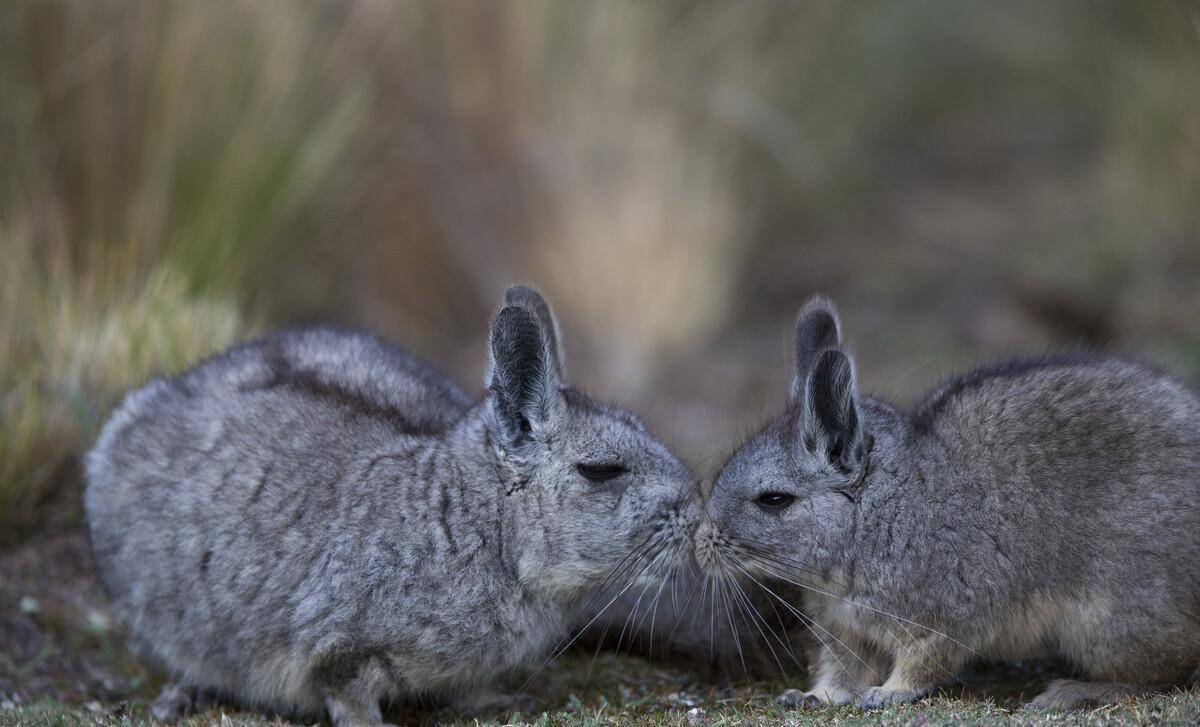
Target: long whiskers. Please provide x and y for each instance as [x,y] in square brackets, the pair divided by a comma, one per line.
[651,564]
[748,610]
[765,550]
[737,640]
[812,626]
[670,575]
[737,558]
[782,571]
[637,562]
[730,593]
[631,617]
[623,566]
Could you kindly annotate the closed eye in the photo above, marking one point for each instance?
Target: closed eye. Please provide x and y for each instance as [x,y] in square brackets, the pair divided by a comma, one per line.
[602,472]
[774,501]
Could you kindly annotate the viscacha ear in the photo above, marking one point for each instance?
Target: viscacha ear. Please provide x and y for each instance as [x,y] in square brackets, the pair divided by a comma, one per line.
[817,329]
[831,414]
[522,378]
[526,297]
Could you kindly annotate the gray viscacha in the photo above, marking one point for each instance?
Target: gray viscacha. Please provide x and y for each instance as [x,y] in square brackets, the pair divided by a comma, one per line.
[317,521]
[1040,507]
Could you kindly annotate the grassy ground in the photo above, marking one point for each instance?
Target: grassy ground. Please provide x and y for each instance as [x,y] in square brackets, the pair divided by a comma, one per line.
[628,690]
[64,664]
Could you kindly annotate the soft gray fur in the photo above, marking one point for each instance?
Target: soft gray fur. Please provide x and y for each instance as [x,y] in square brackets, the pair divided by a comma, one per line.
[315,520]
[1039,507]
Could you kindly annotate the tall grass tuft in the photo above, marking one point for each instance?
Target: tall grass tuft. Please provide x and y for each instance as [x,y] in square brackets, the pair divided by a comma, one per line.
[69,356]
[156,157]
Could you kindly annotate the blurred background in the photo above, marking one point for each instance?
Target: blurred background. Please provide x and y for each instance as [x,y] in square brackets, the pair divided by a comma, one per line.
[966,179]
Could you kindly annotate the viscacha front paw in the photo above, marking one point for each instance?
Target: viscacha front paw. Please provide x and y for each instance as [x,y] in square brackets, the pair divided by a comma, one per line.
[877,697]
[796,699]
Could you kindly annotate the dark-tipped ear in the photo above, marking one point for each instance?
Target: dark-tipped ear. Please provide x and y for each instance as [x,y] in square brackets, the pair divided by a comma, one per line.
[521,378]
[831,414]
[817,329]
[526,297]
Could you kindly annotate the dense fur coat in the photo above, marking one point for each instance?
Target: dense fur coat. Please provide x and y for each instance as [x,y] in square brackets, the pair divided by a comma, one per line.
[315,520]
[1040,507]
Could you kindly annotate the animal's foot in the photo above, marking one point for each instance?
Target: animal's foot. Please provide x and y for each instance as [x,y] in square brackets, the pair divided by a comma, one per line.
[877,697]
[354,710]
[796,699]
[1071,694]
[174,701]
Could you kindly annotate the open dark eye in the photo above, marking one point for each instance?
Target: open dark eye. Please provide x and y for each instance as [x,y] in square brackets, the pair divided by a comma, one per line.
[774,501]
[601,472]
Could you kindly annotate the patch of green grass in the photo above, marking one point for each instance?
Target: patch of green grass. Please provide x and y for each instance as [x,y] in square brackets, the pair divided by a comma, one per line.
[132,226]
[617,689]
[746,708]
[70,352]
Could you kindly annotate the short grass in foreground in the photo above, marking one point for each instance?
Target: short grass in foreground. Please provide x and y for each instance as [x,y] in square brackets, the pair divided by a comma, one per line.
[628,690]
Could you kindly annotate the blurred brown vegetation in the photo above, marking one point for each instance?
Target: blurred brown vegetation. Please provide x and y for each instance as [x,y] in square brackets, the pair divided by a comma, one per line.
[966,179]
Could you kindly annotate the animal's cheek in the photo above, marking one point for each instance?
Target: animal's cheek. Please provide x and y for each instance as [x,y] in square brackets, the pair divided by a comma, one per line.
[800,511]
[723,507]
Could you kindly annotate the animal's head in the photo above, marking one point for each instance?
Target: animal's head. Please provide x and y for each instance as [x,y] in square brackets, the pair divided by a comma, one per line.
[787,495]
[588,484]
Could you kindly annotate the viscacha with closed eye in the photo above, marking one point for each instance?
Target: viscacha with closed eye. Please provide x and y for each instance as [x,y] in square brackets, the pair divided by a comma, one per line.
[315,520]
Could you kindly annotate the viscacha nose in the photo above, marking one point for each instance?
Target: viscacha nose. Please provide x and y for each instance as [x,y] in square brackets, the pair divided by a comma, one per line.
[704,543]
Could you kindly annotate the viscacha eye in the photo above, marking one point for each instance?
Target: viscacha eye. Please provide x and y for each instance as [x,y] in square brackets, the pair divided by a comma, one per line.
[601,472]
[774,501]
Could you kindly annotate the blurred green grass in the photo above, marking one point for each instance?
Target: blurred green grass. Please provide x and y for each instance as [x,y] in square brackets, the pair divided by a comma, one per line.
[154,153]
